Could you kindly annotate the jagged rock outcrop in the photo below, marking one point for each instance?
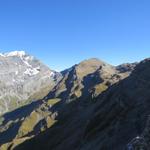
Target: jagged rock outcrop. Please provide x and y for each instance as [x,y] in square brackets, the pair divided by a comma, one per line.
[142,141]
[127,67]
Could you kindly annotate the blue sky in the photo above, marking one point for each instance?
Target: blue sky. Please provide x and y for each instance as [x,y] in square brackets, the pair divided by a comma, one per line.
[64,32]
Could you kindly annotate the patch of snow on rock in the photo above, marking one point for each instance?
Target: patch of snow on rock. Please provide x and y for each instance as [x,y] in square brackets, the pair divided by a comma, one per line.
[26,62]
[52,74]
[31,71]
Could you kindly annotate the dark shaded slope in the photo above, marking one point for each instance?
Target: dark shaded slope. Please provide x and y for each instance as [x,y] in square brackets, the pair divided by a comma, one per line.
[118,115]
[67,133]
[123,112]
[26,122]
[14,119]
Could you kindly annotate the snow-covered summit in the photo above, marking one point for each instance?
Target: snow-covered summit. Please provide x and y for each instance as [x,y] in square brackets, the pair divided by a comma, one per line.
[15,53]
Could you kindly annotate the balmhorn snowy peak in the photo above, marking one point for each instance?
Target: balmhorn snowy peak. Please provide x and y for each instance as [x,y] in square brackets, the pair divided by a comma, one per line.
[22,77]
[19,53]
[26,60]
[14,53]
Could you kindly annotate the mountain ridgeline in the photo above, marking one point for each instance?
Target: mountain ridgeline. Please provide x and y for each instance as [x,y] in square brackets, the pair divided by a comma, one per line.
[90,106]
[90,77]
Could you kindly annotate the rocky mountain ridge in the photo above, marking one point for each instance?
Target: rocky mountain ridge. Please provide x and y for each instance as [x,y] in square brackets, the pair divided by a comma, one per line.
[117,119]
[73,95]
[89,77]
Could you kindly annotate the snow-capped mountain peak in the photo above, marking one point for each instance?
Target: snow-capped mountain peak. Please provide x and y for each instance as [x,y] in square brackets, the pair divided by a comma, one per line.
[15,53]
[21,77]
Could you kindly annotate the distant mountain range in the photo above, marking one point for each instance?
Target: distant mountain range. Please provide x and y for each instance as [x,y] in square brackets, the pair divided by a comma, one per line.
[23,78]
[90,106]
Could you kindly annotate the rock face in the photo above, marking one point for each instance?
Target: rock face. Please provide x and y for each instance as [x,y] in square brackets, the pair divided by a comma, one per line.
[127,67]
[117,119]
[23,78]
[142,141]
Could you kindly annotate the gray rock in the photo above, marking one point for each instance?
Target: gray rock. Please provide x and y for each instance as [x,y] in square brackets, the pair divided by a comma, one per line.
[23,78]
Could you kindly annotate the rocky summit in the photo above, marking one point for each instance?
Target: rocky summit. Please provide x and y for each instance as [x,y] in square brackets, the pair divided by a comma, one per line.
[90,106]
[23,78]
[88,78]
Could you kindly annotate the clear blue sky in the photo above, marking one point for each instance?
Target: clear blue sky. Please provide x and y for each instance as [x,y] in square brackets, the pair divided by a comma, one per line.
[64,32]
